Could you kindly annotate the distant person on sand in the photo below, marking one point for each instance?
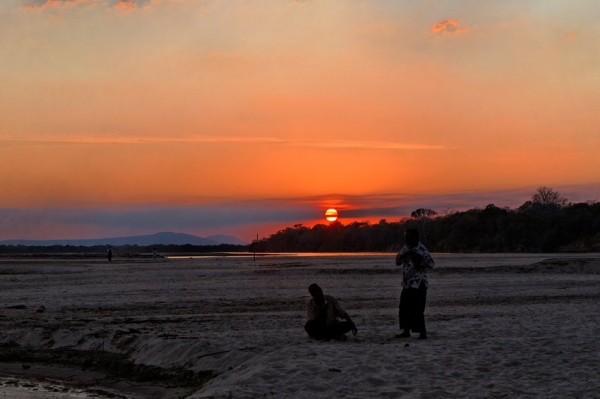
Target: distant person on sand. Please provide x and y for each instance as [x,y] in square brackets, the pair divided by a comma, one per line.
[322,312]
[109,253]
[415,260]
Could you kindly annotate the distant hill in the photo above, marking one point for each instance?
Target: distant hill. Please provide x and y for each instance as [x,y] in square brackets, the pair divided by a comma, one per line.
[164,238]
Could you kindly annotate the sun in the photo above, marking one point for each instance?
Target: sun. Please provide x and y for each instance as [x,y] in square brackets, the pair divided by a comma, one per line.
[331,215]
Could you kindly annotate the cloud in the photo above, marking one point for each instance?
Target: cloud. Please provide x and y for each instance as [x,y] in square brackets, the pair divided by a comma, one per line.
[373,145]
[125,5]
[331,144]
[42,4]
[448,26]
[121,5]
[106,222]
[570,37]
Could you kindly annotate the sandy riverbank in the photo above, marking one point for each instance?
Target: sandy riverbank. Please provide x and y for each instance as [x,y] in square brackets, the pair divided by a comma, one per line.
[499,326]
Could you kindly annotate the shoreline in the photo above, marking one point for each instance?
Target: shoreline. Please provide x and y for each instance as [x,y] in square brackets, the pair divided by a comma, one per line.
[21,386]
[98,371]
[81,383]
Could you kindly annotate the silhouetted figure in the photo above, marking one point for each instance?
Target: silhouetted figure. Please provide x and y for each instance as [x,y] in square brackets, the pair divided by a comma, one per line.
[153,253]
[415,261]
[322,312]
[109,254]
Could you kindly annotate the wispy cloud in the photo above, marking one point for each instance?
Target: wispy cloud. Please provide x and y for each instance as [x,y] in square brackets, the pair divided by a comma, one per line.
[373,145]
[332,144]
[570,37]
[449,26]
[121,5]
[397,205]
[201,219]
[43,4]
[125,5]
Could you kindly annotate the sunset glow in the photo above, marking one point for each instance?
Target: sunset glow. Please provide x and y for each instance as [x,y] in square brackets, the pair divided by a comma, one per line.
[223,117]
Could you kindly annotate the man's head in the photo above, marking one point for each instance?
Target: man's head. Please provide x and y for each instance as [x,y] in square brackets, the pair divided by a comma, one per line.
[316,292]
[411,237]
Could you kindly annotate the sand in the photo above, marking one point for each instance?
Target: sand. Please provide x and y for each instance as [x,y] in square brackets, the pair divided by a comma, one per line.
[499,325]
[15,388]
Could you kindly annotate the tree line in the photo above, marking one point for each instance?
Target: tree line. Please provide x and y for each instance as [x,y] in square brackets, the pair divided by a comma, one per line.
[545,223]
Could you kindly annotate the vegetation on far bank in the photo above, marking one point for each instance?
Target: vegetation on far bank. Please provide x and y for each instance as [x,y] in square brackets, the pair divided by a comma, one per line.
[546,223]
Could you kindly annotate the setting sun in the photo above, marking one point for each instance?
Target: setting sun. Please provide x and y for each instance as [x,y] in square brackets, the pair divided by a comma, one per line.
[331,215]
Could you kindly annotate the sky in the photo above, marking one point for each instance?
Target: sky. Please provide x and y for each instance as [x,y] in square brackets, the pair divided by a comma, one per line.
[244,117]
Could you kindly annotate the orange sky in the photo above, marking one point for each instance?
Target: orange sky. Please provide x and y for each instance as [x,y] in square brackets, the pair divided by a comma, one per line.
[195,104]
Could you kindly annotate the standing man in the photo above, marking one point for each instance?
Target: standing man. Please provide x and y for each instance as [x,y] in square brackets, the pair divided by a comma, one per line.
[109,253]
[322,312]
[415,261]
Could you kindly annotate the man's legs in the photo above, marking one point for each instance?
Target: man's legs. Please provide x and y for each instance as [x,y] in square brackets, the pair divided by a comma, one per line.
[340,328]
[419,311]
[318,329]
[412,311]
[405,312]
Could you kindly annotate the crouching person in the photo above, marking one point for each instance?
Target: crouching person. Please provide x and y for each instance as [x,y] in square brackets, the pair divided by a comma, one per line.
[322,312]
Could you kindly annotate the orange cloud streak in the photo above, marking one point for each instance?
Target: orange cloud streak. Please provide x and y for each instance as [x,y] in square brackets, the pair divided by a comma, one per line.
[55,4]
[125,5]
[448,26]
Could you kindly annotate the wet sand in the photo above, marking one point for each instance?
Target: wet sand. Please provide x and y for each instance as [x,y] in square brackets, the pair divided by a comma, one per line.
[16,388]
[499,326]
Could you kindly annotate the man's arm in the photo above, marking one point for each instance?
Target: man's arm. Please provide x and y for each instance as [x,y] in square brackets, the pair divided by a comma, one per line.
[349,320]
[426,259]
[420,258]
[402,255]
[341,313]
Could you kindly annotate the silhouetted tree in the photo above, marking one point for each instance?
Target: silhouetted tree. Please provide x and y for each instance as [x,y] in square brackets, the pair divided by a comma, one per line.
[547,196]
[423,215]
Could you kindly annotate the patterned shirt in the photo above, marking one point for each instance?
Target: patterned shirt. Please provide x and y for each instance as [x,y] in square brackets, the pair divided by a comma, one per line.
[415,262]
[331,307]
